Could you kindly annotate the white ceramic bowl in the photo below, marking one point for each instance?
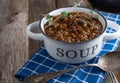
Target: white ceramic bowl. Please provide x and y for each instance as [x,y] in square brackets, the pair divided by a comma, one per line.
[73,52]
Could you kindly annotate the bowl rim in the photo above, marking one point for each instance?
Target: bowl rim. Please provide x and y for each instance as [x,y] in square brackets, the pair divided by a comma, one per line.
[80,41]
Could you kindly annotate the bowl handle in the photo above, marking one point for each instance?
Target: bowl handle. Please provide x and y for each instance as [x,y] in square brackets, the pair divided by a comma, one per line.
[35,36]
[111,36]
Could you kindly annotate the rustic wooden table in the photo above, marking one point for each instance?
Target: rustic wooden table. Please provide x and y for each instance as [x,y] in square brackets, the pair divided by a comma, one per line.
[15,46]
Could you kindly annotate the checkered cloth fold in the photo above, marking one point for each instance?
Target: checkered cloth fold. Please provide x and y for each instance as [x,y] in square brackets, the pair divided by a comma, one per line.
[42,62]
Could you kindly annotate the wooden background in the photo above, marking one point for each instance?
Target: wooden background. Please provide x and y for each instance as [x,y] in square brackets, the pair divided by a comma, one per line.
[15,46]
[14,43]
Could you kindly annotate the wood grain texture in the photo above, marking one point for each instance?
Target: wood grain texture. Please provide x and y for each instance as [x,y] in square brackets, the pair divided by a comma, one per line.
[15,46]
[13,39]
[37,8]
[117,72]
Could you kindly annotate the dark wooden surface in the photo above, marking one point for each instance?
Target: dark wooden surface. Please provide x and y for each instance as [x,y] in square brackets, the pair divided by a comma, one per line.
[117,73]
[15,46]
[13,38]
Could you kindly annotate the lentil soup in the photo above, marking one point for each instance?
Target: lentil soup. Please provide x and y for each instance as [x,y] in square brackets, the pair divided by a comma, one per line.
[76,27]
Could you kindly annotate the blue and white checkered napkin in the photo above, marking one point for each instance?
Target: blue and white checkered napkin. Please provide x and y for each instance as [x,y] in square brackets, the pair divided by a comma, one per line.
[41,62]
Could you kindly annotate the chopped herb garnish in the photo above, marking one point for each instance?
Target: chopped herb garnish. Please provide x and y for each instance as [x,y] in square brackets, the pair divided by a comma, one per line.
[91,12]
[49,19]
[88,19]
[94,14]
[76,4]
[95,18]
[48,16]
[65,14]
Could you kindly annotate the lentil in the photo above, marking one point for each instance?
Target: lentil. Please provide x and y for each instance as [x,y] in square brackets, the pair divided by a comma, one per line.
[77,27]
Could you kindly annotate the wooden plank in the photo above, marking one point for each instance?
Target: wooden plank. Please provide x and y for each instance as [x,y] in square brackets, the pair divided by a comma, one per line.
[36,10]
[67,3]
[14,43]
[117,72]
[13,39]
